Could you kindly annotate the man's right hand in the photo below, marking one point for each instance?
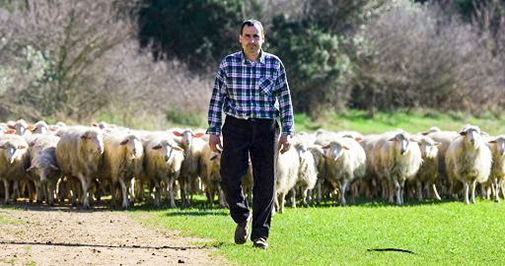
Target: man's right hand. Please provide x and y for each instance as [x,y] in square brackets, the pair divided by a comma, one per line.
[215,143]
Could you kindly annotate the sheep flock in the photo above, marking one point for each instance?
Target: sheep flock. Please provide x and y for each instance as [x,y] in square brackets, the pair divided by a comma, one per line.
[81,165]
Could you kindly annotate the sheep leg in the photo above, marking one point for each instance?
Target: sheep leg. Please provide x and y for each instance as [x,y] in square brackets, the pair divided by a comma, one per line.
[398,192]
[319,191]
[124,190]
[15,191]
[467,192]
[496,190]
[171,192]
[50,188]
[282,198]
[474,184]
[85,184]
[435,192]
[293,198]
[502,185]
[419,190]
[343,188]
[6,190]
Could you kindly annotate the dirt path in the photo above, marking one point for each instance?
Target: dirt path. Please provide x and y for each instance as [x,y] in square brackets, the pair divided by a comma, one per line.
[69,236]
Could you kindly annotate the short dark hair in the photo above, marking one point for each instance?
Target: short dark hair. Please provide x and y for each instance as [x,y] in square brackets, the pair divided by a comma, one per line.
[250,23]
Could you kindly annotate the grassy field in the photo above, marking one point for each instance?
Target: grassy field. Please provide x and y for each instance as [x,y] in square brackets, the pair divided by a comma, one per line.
[411,121]
[439,233]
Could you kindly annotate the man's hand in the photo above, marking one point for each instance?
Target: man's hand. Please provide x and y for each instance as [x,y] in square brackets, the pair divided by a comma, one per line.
[284,143]
[215,143]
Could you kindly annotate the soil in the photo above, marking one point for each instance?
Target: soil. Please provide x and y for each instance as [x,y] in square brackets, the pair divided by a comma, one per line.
[41,235]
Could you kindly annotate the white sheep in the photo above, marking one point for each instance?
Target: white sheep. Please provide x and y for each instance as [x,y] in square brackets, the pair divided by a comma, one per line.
[288,166]
[79,154]
[20,126]
[14,160]
[307,174]
[428,173]
[444,138]
[162,162]
[468,159]
[193,144]
[398,159]
[497,176]
[345,162]
[44,167]
[211,176]
[122,161]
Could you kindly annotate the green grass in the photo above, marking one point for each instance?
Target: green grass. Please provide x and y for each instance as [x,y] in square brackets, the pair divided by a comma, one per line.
[411,121]
[445,233]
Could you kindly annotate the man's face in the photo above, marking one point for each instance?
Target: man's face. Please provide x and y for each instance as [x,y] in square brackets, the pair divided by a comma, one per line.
[251,40]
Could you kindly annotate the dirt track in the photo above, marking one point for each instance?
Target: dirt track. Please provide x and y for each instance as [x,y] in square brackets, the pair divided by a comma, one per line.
[69,236]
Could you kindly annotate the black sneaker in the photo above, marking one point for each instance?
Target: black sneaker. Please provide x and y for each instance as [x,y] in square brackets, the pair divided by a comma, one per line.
[260,243]
[242,231]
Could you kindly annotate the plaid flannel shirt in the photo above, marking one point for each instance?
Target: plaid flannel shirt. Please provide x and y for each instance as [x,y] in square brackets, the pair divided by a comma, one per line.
[246,89]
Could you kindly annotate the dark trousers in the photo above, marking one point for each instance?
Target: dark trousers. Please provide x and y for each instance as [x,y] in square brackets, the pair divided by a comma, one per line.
[257,138]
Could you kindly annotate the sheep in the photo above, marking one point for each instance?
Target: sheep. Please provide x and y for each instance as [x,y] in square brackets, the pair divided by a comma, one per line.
[497,175]
[444,138]
[428,173]
[20,126]
[307,174]
[79,154]
[397,160]
[345,162]
[288,166]
[468,159]
[162,162]
[193,145]
[40,127]
[14,160]
[122,161]
[44,167]
[210,174]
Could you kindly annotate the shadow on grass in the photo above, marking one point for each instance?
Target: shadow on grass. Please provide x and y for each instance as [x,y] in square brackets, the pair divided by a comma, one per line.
[378,203]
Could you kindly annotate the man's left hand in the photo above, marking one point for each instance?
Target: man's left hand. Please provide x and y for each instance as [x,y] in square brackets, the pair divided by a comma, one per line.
[284,143]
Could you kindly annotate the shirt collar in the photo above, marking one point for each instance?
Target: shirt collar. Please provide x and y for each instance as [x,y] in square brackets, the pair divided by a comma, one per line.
[246,60]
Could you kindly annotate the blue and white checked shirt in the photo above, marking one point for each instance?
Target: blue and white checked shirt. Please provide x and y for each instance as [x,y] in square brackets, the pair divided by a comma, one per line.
[246,89]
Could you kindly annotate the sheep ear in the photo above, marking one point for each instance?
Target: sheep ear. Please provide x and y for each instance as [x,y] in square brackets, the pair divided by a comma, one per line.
[85,136]
[199,135]
[124,142]
[177,133]
[463,133]
[358,139]
[327,146]
[11,126]
[177,148]
[11,131]
[3,147]
[493,141]
[157,147]
[21,147]
[392,139]
[345,147]
[31,128]
[412,140]
[94,124]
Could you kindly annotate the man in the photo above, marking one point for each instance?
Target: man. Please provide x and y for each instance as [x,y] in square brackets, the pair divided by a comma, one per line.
[252,90]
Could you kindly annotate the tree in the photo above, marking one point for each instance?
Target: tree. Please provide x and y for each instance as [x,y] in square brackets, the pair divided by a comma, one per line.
[198,33]
[53,50]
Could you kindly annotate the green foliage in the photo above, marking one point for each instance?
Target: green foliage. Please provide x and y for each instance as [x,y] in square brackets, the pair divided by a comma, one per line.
[197,32]
[440,233]
[179,117]
[315,64]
